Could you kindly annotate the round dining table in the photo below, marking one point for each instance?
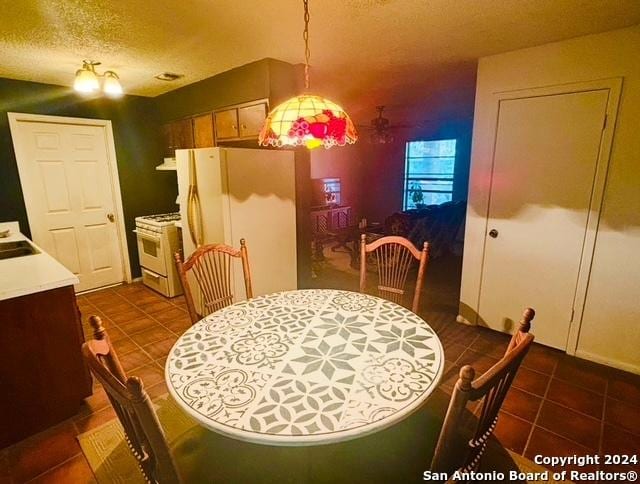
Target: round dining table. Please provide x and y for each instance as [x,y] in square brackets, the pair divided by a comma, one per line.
[305,367]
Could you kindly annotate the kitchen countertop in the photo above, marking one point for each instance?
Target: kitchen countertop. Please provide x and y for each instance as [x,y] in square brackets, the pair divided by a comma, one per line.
[32,273]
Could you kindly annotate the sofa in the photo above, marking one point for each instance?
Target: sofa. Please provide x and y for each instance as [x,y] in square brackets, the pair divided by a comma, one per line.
[440,225]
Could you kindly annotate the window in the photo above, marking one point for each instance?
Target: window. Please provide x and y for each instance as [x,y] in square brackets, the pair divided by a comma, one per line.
[428,175]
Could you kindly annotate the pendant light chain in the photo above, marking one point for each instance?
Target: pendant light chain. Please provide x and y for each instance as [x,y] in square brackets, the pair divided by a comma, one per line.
[305,36]
[306,119]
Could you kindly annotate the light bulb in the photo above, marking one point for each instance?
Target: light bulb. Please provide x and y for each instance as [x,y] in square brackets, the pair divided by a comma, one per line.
[111,85]
[86,81]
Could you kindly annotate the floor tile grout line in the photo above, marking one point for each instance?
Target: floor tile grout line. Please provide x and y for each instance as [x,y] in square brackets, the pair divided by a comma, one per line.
[569,408]
[582,387]
[55,467]
[544,397]
[564,437]
[604,413]
[129,336]
[154,319]
[126,335]
[625,402]
[153,360]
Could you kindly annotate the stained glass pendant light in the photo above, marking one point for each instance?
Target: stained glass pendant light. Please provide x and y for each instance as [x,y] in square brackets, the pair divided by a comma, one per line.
[307,119]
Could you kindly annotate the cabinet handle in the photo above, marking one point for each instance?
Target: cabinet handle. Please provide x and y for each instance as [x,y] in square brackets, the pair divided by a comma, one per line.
[243,126]
[493,233]
[153,276]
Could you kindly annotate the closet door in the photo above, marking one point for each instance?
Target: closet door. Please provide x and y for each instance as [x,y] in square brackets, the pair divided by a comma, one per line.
[545,157]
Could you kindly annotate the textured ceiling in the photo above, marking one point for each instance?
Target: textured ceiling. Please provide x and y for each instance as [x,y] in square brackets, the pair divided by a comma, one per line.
[379,43]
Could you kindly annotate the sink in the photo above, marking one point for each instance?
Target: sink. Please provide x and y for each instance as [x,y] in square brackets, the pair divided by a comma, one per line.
[19,248]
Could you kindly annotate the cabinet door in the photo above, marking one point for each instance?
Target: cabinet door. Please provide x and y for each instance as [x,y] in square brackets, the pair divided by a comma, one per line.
[251,119]
[203,131]
[168,145]
[226,123]
[182,134]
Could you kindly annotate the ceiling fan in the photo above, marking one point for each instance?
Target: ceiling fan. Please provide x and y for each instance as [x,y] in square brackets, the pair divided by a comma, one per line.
[381,129]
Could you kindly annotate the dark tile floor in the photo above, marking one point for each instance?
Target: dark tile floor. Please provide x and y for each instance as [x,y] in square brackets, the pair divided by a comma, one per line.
[558,405]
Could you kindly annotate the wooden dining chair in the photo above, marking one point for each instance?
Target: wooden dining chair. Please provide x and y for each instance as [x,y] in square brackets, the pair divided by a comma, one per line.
[168,446]
[394,257]
[211,267]
[454,451]
[132,405]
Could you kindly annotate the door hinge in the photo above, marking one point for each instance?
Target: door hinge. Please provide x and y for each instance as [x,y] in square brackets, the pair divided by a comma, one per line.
[573,313]
[604,123]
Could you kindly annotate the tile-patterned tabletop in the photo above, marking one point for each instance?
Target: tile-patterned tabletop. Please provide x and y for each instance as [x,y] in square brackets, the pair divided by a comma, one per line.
[305,367]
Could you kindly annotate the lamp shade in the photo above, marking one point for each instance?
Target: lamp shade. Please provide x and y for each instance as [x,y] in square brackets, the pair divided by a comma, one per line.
[308,120]
[86,81]
[111,85]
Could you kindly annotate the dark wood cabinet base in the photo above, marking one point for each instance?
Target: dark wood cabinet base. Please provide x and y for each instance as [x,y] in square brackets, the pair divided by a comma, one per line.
[43,378]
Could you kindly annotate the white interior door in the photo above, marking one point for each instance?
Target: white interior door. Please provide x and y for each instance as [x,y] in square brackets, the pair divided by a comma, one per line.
[545,158]
[70,198]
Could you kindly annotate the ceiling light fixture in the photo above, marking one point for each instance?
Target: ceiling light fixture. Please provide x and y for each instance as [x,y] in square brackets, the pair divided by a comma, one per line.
[87,80]
[307,119]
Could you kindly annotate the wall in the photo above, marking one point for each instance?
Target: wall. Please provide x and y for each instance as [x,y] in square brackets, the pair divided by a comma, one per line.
[372,175]
[385,165]
[610,327]
[266,78]
[345,163]
[144,190]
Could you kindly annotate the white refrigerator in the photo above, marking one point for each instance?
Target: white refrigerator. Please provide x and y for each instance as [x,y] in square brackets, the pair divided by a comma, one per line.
[228,194]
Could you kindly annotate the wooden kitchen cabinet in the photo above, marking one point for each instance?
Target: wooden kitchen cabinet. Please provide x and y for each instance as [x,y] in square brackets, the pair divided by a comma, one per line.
[240,122]
[43,377]
[177,135]
[168,145]
[251,119]
[203,131]
[226,123]
[183,134]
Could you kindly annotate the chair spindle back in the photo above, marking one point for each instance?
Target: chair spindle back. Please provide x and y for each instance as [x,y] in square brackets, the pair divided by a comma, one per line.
[491,388]
[394,257]
[211,267]
[132,405]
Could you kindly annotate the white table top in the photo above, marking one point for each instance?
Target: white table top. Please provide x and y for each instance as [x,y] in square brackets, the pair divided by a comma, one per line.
[32,273]
[305,367]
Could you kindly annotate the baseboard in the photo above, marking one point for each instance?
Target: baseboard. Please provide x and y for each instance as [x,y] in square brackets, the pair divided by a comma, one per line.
[608,362]
[88,291]
[462,320]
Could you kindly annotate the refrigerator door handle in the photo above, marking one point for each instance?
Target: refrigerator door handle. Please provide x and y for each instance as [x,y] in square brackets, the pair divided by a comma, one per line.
[194,214]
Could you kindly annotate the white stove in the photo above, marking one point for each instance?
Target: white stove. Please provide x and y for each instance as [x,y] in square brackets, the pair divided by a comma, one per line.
[158,241]
[158,221]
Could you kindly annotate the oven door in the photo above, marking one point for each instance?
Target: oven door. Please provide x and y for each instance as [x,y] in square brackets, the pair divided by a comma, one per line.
[151,251]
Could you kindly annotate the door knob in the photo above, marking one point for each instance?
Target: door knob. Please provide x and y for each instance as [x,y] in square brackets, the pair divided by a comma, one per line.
[111,217]
[493,233]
